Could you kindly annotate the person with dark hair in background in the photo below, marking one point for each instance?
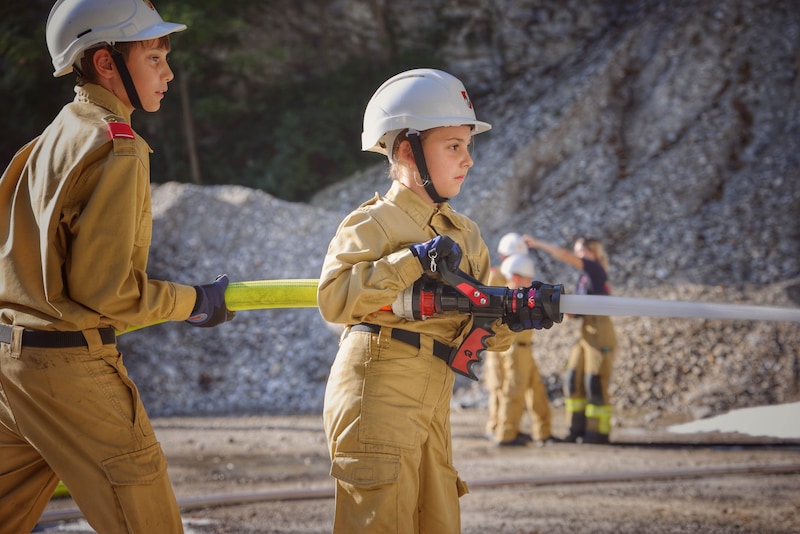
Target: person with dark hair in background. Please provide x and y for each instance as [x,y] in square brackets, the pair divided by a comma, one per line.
[586,381]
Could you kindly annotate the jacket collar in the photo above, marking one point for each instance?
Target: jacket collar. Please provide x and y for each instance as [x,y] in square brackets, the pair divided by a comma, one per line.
[420,211]
[100,96]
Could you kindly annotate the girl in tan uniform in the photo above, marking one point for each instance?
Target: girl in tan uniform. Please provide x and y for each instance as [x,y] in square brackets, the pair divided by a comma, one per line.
[387,402]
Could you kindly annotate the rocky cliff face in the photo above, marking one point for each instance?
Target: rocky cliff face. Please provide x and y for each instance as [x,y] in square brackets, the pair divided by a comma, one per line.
[668,129]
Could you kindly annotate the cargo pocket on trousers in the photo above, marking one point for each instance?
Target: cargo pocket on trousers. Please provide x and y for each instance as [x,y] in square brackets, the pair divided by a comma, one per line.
[366,470]
[138,468]
[143,492]
[461,487]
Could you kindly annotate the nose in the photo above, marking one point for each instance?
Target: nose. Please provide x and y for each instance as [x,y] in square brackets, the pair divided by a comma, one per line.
[468,161]
[168,74]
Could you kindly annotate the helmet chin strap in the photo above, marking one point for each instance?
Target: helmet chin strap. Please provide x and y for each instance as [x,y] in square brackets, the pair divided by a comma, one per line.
[127,81]
[416,148]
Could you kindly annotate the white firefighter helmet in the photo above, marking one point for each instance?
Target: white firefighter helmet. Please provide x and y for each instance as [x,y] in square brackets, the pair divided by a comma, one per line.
[511,243]
[74,26]
[520,264]
[418,99]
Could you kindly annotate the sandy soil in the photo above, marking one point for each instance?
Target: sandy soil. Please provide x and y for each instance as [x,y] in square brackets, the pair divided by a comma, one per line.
[648,481]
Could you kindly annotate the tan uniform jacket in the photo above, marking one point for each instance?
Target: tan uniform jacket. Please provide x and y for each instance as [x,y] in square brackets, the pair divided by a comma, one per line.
[76,226]
[369,262]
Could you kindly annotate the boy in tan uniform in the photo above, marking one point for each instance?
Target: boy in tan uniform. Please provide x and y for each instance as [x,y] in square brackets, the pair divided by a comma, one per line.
[387,402]
[75,230]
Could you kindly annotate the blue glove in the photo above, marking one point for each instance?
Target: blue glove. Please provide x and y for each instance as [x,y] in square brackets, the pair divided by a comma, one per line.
[440,248]
[209,309]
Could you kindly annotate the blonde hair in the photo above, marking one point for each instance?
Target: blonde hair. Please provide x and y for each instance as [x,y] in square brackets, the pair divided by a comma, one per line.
[394,171]
[597,248]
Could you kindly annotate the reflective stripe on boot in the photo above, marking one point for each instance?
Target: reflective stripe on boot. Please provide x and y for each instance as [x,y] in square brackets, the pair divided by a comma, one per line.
[576,418]
[598,423]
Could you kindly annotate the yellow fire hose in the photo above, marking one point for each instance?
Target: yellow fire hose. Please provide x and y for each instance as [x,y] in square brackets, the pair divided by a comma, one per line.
[266,294]
[269,294]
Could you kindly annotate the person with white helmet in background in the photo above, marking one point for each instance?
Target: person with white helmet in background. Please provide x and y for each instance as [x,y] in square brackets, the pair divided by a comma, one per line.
[386,410]
[521,387]
[75,234]
[509,244]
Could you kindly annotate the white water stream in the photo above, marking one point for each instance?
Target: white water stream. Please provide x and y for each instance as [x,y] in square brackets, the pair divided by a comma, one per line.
[607,305]
[780,421]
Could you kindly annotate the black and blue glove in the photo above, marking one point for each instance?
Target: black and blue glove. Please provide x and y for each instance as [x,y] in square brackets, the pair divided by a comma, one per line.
[535,308]
[209,309]
[439,249]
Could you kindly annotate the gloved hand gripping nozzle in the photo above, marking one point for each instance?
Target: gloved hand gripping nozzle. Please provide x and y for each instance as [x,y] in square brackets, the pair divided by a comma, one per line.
[524,308]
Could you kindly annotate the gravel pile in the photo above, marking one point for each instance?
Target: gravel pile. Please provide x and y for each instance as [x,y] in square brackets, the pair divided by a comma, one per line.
[276,361]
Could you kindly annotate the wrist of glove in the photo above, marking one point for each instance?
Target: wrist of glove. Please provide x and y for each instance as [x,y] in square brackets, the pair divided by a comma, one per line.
[434,251]
[209,309]
[532,308]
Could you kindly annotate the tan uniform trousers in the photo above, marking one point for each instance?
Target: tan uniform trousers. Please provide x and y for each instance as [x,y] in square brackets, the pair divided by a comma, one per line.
[589,367]
[387,420]
[74,414]
[522,388]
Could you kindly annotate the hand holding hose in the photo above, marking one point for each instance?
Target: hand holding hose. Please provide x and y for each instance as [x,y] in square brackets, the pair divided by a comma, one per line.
[209,308]
[534,308]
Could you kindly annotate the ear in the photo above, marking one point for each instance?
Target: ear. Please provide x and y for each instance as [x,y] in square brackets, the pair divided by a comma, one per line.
[104,64]
[404,152]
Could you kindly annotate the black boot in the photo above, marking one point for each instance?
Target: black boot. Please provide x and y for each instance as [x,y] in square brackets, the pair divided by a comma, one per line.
[596,437]
[577,428]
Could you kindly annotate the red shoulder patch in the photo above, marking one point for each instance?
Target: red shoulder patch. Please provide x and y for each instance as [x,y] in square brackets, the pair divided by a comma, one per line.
[121,130]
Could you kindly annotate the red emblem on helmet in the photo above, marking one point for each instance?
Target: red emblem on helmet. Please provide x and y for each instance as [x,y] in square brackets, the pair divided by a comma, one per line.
[466,99]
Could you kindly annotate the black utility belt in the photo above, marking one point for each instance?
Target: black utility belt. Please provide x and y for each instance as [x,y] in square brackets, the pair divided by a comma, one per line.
[46,339]
[440,350]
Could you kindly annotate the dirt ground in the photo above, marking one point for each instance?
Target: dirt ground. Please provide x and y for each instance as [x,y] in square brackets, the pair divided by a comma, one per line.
[257,471]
